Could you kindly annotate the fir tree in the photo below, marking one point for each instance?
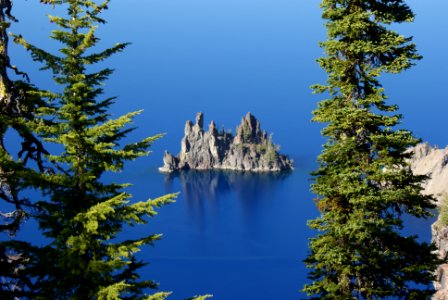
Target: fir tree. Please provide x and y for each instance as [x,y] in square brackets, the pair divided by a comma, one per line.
[16,113]
[17,108]
[364,183]
[83,215]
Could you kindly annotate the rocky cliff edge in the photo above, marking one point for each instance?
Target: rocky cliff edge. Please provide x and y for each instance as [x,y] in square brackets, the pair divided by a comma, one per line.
[433,162]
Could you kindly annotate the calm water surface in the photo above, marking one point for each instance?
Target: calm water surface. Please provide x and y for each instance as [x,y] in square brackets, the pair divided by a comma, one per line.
[232,234]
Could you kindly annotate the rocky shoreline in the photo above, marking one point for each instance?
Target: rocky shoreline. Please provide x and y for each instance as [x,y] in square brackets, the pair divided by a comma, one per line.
[251,149]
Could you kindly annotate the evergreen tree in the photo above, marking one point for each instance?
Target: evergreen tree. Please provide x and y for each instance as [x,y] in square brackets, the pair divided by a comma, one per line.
[17,109]
[16,113]
[364,183]
[86,258]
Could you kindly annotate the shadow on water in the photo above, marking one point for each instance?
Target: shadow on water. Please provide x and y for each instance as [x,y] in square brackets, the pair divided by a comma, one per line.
[212,195]
[208,185]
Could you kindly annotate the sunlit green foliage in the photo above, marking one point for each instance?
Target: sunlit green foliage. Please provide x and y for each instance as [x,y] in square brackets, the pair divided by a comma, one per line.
[364,183]
[83,216]
[443,214]
[200,297]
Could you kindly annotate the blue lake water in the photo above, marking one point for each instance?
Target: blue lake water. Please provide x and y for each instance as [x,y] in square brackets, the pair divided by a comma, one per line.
[232,234]
[235,235]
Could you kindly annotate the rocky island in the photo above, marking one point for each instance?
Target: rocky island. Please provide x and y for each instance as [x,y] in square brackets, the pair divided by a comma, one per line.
[251,149]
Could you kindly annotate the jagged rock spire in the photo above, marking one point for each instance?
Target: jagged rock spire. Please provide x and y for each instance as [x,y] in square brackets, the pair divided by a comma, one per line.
[200,120]
[249,131]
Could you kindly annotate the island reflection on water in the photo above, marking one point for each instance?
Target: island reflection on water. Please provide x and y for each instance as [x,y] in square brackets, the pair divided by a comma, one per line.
[207,192]
[201,185]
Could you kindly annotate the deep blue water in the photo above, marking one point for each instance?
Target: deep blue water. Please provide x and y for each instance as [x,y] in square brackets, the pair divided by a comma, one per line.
[235,235]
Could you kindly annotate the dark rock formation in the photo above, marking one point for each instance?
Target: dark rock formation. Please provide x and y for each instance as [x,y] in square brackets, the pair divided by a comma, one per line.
[249,150]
